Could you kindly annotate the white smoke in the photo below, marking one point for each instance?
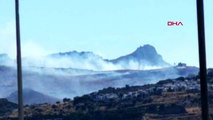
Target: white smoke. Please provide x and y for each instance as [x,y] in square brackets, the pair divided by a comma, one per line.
[7,39]
[35,55]
[95,64]
[32,50]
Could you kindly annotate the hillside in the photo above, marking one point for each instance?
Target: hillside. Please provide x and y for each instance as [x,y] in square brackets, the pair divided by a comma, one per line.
[6,107]
[71,84]
[32,97]
[168,99]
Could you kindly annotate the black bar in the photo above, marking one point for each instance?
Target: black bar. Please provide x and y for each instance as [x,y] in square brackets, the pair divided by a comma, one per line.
[202,59]
[19,65]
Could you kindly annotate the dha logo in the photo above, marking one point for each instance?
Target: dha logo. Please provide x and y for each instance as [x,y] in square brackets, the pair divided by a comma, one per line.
[171,23]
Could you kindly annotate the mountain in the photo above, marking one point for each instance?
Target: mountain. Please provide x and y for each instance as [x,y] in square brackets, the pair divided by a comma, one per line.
[144,56]
[77,73]
[32,97]
[76,54]
[76,60]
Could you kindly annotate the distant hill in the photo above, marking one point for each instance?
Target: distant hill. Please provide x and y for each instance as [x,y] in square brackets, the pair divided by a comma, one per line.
[76,55]
[144,55]
[142,58]
[32,97]
[69,83]
[168,99]
[76,73]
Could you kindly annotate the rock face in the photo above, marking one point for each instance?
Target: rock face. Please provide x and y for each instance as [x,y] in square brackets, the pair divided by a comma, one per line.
[145,55]
[32,97]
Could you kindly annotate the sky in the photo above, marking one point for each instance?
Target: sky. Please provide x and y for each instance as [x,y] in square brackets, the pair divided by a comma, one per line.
[110,28]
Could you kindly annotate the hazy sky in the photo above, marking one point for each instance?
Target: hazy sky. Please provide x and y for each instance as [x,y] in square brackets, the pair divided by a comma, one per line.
[110,28]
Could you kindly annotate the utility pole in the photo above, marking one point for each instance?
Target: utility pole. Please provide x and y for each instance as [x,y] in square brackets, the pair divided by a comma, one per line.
[202,60]
[19,64]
